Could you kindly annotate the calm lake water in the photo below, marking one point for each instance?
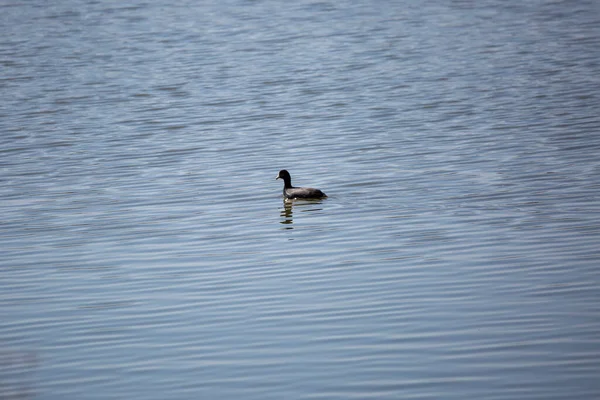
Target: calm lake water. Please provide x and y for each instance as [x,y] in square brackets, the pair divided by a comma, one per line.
[146,252]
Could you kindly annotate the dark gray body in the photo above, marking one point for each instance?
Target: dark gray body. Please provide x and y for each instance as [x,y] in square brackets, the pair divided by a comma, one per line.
[302,193]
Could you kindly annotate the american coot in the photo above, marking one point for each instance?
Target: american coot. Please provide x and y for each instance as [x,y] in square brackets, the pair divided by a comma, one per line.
[290,192]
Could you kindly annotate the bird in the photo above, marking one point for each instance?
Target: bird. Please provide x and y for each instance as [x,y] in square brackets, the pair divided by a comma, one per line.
[290,192]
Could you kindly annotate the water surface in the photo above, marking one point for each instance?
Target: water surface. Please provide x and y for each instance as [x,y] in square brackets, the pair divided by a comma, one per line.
[145,250]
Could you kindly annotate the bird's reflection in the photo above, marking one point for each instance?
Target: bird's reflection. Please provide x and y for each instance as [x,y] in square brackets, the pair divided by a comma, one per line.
[300,205]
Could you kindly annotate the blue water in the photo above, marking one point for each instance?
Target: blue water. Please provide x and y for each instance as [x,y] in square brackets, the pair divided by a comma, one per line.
[146,252]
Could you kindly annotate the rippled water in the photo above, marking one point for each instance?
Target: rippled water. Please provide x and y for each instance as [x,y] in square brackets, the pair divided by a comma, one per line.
[146,253]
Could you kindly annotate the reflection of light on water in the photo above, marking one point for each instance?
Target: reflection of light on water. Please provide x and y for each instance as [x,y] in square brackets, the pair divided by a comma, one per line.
[287,213]
[16,372]
[302,205]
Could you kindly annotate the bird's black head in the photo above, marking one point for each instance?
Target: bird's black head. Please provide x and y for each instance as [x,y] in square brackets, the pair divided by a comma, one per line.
[287,179]
[283,174]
